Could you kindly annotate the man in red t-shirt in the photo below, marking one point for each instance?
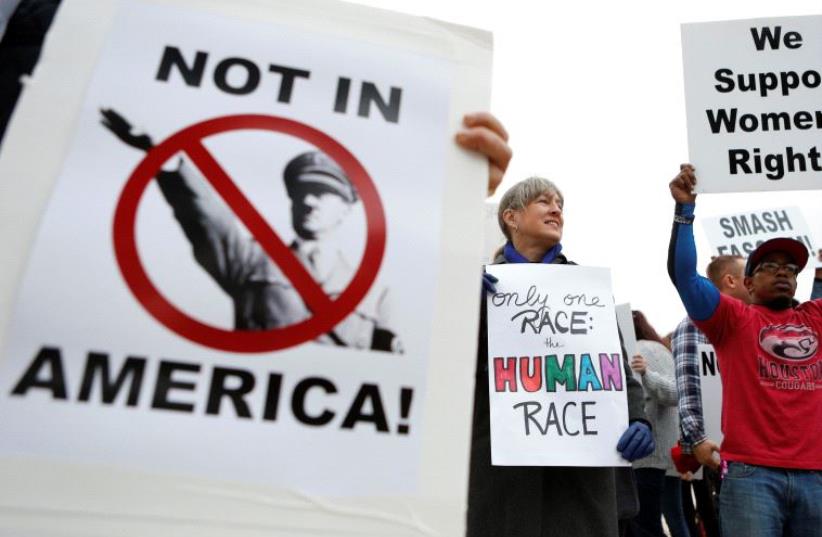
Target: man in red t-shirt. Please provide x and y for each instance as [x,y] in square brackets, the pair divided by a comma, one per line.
[771,370]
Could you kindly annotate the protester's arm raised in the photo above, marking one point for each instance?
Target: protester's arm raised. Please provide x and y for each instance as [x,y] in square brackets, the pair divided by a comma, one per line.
[209,225]
[698,294]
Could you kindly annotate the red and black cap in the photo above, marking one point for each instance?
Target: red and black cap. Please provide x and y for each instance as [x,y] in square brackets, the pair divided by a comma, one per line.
[791,247]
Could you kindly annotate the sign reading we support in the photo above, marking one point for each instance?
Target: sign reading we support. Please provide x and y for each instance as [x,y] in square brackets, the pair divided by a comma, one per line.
[753,90]
[217,288]
[741,233]
[555,369]
[711,389]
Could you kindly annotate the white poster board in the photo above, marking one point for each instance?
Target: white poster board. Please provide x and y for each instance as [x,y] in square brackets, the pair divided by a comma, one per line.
[711,387]
[625,322]
[555,373]
[740,233]
[752,92]
[225,331]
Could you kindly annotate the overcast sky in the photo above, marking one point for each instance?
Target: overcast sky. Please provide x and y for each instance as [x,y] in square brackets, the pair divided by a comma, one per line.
[592,95]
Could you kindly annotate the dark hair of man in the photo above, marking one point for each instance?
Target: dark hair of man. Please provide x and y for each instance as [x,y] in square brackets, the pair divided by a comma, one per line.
[722,265]
[643,328]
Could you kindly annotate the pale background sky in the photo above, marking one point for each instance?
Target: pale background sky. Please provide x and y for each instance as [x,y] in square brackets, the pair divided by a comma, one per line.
[592,96]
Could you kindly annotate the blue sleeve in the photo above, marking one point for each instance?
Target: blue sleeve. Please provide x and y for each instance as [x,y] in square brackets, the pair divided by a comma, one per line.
[698,294]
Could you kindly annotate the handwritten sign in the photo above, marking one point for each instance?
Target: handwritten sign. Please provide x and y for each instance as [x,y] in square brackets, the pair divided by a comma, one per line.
[741,233]
[752,93]
[555,369]
[711,392]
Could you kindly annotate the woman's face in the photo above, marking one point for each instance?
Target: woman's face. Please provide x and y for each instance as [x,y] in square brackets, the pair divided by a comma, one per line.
[540,221]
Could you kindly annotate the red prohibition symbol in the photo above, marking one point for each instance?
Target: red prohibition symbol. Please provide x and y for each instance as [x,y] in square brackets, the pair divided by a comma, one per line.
[326,313]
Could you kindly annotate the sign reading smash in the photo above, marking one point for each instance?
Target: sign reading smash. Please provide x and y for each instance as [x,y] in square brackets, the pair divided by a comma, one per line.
[555,368]
[741,233]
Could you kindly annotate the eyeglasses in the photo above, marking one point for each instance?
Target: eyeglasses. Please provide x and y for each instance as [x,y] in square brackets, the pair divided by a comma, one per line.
[772,268]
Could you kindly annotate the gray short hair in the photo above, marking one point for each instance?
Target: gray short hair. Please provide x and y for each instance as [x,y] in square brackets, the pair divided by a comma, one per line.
[523,193]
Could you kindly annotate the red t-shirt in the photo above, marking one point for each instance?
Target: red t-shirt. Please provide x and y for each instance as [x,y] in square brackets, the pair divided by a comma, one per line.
[771,369]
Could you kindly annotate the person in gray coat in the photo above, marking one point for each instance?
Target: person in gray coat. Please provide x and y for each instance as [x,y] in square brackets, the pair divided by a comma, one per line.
[512,501]
[657,481]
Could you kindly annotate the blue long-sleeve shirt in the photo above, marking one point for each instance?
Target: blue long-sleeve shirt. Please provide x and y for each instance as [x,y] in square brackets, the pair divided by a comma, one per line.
[699,295]
[701,298]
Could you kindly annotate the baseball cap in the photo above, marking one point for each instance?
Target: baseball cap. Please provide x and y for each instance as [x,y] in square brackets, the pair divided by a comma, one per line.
[315,168]
[792,247]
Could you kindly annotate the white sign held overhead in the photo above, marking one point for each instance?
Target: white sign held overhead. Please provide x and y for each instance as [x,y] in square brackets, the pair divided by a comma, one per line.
[555,368]
[753,90]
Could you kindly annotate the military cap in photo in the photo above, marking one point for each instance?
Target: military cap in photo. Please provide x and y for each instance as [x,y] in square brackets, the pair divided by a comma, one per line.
[307,170]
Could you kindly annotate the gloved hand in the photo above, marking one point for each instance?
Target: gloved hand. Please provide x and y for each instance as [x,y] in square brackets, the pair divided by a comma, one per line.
[488,282]
[636,442]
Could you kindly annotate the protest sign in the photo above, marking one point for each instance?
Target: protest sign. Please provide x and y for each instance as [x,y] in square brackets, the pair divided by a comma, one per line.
[711,387]
[753,90]
[216,289]
[625,322]
[555,369]
[740,233]
[494,238]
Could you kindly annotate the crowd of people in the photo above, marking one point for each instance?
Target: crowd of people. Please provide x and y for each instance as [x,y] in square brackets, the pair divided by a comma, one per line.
[767,472]
[766,477]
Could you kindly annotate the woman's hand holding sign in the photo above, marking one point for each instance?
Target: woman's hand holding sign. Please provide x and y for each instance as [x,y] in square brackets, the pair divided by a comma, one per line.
[485,134]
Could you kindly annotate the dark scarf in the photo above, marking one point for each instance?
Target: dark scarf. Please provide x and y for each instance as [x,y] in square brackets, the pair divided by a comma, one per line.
[513,256]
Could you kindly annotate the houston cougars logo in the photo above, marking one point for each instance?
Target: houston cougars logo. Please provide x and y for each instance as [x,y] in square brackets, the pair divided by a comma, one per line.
[789,341]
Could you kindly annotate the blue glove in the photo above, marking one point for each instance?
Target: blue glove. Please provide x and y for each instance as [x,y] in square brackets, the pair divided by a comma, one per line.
[636,442]
[488,281]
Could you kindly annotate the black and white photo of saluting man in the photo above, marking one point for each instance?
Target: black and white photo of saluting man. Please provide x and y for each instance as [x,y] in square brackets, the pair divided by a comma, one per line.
[263,298]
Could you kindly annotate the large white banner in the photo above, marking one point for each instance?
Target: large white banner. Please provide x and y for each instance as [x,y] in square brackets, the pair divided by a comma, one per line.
[555,373]
[711,389]
[219,286]
[741,233]
[753,90]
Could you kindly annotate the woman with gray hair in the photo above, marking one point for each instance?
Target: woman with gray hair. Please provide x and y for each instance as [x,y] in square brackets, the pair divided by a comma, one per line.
[530,217]
[544,501]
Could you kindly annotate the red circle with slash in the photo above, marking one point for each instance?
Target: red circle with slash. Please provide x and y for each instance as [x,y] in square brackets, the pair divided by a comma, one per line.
[325,312]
